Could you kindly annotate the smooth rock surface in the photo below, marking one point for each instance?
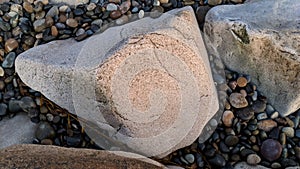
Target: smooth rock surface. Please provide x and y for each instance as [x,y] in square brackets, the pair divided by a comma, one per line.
[166,106]
[17,130]
[39,156]
[262,39]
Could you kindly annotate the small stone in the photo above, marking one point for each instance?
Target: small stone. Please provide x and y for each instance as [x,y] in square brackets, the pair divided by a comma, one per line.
[39,25]
[47,142]
[44,130]
[122,20]
[289,131]
[214,2]
[276,165]
[282,138]
[53,11]
[254,96]
[125,6]
[271,149]
[9,60]
[242,81]
[227,118]
[72,23]
[49,117]
[14,106]
[297,133]
[269,109]
[274,115]
[91,6]
[1,72]
[54,31]
[190,158]
[64,8]
[297,152]
[3,109]
[259,106]
[253,159]
[266,125]
[27,103]
[164,1]
[218,161]
[141,14]
[245,152]
[111,7]
[245,113]
[262,116]
[237,100]
[11,44]
[28,7]
[115,14]
[43,109]
[231,140]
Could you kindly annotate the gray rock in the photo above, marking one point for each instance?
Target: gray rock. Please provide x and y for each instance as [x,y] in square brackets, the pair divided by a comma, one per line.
[91,82]
[9,60]
[3,109]
[262,39]
[14,106]
[244,165]
[17,130]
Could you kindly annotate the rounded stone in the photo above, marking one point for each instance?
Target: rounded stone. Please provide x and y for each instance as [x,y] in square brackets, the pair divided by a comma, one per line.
[1,72]
[271,149]
[245,113]
[125,6]
[111,7]
[189,158]
[11,44]
[3,109]
[253,159]
[266,125]
[259,106]
[115,14]
[72,23]
[242,81]
[227,118]
[214,2]
[289,131]
[218,161]
[9,60]
[237,100]
[39,25]
[44,130]
[231,140]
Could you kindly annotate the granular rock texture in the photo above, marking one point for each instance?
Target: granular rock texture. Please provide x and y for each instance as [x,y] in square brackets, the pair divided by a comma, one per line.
[146,89]
[39,156]
[258,39]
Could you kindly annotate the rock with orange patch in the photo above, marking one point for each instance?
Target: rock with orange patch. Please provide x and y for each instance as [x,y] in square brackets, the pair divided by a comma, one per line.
[145,86]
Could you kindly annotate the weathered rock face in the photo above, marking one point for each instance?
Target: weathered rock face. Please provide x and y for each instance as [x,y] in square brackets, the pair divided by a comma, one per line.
[39,156]
[145,86]
[262,39]
[17,130]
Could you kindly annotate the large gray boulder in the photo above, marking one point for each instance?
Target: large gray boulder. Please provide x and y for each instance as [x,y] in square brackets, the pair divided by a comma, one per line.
[144,87]
[41,156]
[262,39]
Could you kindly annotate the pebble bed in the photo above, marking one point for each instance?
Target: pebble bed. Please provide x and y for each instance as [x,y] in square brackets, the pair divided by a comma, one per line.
[250,129]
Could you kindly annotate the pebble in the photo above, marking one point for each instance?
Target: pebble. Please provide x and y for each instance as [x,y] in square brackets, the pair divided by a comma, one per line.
[217,161]
[72,23]
[242,81]
[115,14]
[111,7]
[11,44]
[231,140]
[276,165]
[289,131]
[125,6]
[1,72]
[297,133]
[245,113]
[297,152]
[274,115]
[262,116]
[39,25]
[266,125]
[3,109]
[141,14]
[237,100]
[227,118]
[53,11]
[47,142]
[28,7]
[214,2]
[9,60]
[44,130]
[259,106]
[253,159]
[189,158]
[271,149]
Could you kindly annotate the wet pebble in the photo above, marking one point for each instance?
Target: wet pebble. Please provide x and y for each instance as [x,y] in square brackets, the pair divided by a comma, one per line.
[44,131]
[217,161]
[9,60]
[231,140]
[266,125]
[289,131]
[3,109]
[237,100]
[253,159]
[227,118]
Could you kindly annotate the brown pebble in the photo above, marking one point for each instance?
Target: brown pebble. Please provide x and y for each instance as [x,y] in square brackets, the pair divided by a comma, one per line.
[227,118]
[54,31]
[62,18]
[237,100]
[125,6]
[232,84]
[115,14]
[242,82]
[49,21]
[266,125]
[47,142]
[11,44]
[28,7]
[72,23]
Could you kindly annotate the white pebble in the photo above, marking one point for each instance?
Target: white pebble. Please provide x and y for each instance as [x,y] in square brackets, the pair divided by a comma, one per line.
[1,72]
[141,14]
[111,7]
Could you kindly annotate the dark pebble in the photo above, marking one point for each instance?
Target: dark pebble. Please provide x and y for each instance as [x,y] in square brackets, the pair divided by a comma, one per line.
[3,109]
[288,162]
[73,141]
[9,60]
[259,106]
[297,133]
[245,113]
[44,130]
[223,147]
[217,161]
[245,152]
[78,12]
[271,149]
[231,140]
[14,106]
